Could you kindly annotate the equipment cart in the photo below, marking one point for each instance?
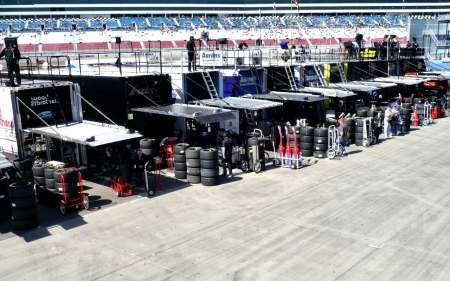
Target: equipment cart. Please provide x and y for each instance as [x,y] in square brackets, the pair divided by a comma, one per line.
[119,185]
[253,161]
[427,118]
[72,191]
[333,147]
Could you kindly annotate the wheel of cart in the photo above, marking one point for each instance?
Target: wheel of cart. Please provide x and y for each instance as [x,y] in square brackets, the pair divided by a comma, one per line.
[253,163]
[334,149]
[427,118]
[80,201]
[156,173]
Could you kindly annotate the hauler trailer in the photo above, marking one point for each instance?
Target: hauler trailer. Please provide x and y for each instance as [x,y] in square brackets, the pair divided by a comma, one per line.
[54,111]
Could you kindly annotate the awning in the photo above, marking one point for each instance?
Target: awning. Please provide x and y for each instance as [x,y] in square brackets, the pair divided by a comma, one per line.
[87,133]
[353,87]
[378,84]
[330,92]
[290,96]
[402,80]
[242,103]
[203,114]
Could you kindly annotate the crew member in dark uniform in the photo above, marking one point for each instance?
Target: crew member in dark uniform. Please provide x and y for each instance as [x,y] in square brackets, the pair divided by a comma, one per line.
[243,45]
[227,154]
[138,166]
[192,51]
[12,57]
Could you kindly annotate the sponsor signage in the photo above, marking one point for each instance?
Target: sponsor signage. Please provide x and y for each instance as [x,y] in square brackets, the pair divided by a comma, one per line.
[211,58]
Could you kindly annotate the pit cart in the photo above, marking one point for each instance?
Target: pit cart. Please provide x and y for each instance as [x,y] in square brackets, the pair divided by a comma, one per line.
[427,118]
[334,149]
[252,161]
[119,185]
[72,190]
[368,137]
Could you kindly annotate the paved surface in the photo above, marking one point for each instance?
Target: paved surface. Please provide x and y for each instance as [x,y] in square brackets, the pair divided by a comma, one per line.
[382,213]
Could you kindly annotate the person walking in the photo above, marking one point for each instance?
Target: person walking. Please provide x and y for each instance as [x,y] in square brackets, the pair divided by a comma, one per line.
[227,155]
[138,166]
[192,52]
[378,120]
[342,132]
[387,122]
[394,119]
[12,57]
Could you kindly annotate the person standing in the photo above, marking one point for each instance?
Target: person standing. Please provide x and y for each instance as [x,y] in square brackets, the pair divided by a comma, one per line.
[138,165]
[12,57]
[394,119]
[342,132]
[192,52]
[378,120]
[243,45]
[227,155]
[387,122]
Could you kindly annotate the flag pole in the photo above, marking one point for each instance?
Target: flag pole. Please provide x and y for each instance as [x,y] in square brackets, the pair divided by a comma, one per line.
[290,41]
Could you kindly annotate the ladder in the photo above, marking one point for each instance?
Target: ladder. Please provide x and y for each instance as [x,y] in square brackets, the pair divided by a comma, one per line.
[209,85]
[290,77]
[342,73]
[55,107]
[250,116]
[153,92]
[320,75]
[254,77]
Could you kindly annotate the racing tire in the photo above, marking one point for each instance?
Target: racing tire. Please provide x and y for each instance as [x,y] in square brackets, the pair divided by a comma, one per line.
[320,147]
[180,158]
[38,171]
[69,195]
[23,164]
[24,174]
[148,143]
[358,142]
[209,164]
[70,175]
[26,224]
[180,166]
[21,189]
[307,131]
[194,178]
[180,148]
[320,132]
[180,174]
[307,152]
[39,181]
[25,214]
[306,138]
[193,152]
[150,151]
[23,203]
[49,173]
[193,163]
[193,171]
[361,113]
[70,187]
[209,173]
[50,183]
[209,154]
[320,154]
[321,139]
[213,181]
[306,145]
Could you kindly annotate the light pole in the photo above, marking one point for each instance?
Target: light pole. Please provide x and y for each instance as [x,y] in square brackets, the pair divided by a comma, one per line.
[260,27]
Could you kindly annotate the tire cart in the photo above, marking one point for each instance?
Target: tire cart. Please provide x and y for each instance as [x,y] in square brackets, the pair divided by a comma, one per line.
[368,138]
[253,162]
[285,157]
[156,173]
[236,157]
[80,201]
[334,149]
[119,185]
[427,118]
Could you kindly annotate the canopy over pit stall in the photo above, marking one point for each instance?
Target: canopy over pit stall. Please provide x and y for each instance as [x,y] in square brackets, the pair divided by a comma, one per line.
[401,80]
[203,114]
[241,103]
[87,133]
[289,96]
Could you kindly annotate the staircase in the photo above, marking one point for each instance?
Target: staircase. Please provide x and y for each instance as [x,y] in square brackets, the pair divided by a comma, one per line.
[209,85]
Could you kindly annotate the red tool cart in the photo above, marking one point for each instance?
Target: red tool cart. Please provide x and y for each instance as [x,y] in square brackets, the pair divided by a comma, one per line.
[71,189]
[118,184]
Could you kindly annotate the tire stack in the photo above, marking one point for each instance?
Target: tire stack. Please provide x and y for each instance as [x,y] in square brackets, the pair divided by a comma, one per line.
[5,203]
[193,164]
[306,141]
[39,181]
[320,146]
[23,169]
[23,205]
[209,167]
[260,143]
[179,160]
[359,129]
[351,130]
[70,181]
[361,113]
[150,148]
[405,115]
[53,198]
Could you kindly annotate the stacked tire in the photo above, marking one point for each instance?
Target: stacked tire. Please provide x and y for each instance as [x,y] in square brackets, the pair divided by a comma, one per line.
[5,203]
[209,167]
[23,169]
[261,150]
[193,164]
[405,115]
[70,187]
[50,186]
[307,141]
[23,205]
[39,181]
[320,146]
[150,148]
[361,113]
[351,130]
[179,160]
